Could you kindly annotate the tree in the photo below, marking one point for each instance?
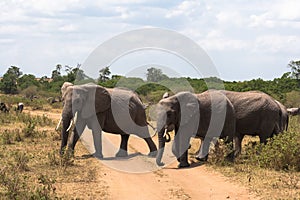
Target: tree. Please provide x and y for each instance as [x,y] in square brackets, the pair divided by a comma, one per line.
[74,73]
[295,67]
[104,74]
[56,74]
[27,80]
[10,80]
[155,75]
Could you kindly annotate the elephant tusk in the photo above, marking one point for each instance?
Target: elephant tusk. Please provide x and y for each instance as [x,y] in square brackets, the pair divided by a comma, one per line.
[58,124]
[166,130]
[75,117]
[167,135]
[70,126]
[73,121]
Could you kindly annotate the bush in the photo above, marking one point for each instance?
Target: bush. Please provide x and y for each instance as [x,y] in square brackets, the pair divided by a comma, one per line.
[15,185]
[29,130]
[280,153]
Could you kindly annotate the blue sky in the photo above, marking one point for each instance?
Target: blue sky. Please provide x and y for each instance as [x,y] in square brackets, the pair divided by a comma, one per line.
[244,39]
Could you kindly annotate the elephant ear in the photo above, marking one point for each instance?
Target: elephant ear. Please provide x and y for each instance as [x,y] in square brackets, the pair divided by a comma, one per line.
[97,100]
[189,107]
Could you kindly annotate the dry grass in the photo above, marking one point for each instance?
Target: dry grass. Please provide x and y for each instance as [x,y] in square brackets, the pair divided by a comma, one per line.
[31,166]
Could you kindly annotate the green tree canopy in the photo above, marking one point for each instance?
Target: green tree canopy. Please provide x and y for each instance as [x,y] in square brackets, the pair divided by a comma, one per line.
[104,74]
[155,75]
[295,67]
[10,80]
[27,80]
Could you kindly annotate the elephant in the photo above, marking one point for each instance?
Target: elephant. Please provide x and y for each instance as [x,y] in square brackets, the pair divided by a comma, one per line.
[117,111]
[293,111]
[205,116]
[256,113]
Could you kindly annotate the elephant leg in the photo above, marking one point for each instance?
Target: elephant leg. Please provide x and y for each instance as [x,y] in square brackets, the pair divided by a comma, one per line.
[97,136]
[238,144]
[123,146]
[182,145]
[230,156]
[152,147]
[204,149]
[263,139]
[184,160]
[74,139]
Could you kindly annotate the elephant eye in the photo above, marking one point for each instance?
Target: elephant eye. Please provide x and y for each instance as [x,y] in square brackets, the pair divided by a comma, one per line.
[76,101]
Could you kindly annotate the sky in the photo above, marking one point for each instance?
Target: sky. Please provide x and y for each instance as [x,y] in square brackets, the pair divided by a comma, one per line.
[244,39]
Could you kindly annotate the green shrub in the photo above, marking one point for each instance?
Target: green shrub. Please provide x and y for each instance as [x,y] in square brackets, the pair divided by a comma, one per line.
[219,153]
[280,153]
[6,137]
[15,186]
[29,130]
[45,189]
[21,160]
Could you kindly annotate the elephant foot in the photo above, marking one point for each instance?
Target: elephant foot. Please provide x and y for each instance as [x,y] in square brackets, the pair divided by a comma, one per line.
[98,155]
[230,157]
[204,159]
[183,165]
[152,154]
[160,164]
[122,153]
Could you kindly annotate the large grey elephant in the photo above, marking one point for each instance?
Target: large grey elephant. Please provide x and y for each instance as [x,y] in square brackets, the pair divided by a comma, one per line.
[256,114]
[206,115]
[117,111]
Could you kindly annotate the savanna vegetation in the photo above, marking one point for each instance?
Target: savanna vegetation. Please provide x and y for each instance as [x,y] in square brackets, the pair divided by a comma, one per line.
[31,167]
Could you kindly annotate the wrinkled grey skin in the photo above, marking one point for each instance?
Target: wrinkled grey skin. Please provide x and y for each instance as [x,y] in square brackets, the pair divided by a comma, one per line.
[93,104]
[196,121]
[284,122]
[256,113]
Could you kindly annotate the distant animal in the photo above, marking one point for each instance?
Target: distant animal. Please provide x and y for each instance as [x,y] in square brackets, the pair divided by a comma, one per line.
[166,95]
[293,111]
[3,107]
[20,107]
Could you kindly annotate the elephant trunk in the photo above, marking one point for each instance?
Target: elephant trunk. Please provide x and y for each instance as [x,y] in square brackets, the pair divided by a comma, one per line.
[161,147]
[66,121]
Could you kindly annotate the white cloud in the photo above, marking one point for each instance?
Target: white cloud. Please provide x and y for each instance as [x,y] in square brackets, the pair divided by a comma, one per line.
[277,43]
[185,8]
[67,31]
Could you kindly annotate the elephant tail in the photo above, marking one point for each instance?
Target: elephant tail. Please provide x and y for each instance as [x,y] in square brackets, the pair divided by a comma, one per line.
[287,122]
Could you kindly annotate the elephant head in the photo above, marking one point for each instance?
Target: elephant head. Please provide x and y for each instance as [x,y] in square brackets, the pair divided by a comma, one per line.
[83,101]
[175,113]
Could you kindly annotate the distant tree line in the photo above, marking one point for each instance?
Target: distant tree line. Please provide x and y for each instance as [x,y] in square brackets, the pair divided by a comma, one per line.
[151,89]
